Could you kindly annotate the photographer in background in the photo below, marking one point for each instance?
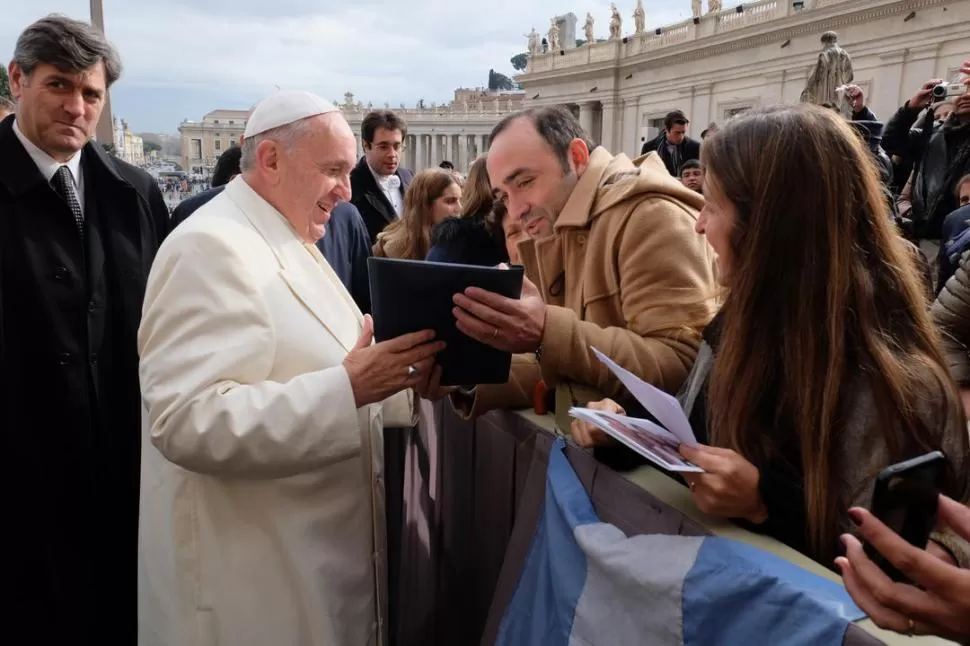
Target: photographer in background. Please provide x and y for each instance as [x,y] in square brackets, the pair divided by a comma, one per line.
[941,155]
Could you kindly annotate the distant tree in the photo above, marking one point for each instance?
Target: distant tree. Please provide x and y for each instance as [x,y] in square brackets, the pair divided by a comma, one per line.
[5,84]
[421,104]
[109,148]
[149,146]
[498,81]
[519,62]
[580,42]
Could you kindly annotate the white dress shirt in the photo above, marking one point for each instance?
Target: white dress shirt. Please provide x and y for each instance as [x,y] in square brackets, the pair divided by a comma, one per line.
[391,185]
[47,165]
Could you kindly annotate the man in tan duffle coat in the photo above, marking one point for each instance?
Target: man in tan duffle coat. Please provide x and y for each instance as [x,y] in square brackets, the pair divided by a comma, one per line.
[614,262]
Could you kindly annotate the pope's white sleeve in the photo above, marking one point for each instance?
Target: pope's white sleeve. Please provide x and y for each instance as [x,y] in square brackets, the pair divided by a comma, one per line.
[207,346]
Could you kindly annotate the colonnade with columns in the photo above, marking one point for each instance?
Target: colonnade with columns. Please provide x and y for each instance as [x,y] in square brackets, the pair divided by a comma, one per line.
[427,150]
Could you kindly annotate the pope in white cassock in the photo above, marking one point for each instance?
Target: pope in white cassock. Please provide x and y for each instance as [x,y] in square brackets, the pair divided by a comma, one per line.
[262,518]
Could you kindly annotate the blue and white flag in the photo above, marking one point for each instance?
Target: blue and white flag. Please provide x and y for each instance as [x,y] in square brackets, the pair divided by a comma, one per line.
[585,583]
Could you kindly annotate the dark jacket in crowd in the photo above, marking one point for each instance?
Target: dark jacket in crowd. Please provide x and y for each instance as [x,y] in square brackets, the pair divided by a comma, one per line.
[190,205]
[941,153]
[865,114]
[951,314]
[956,242]
[673,156]
[367,196]
[465,241]
[345,244]
[70,401]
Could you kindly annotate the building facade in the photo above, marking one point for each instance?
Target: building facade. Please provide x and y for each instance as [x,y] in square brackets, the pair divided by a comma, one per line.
[129,147]
[752,55]
[203,141]
[456,132]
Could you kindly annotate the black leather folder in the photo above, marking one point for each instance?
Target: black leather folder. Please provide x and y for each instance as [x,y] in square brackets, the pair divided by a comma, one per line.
[414,295]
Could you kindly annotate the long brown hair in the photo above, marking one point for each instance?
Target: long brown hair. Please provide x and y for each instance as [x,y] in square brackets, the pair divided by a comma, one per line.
[415,223]
[822,293]
[477,197]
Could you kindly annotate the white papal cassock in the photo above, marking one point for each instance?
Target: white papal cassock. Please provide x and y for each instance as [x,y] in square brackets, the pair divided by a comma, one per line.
[262,503]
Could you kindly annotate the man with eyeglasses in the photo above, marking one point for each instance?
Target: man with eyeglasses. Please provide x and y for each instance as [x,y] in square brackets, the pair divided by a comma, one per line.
[378,183]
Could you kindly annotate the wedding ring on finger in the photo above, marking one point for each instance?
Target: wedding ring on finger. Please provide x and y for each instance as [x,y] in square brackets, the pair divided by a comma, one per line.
[494,334]
[412,372]
[912,628]
[692,485]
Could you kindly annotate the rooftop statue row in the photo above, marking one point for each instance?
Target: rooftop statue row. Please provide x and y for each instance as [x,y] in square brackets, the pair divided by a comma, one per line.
[552,42]
[558,50]
[488,104]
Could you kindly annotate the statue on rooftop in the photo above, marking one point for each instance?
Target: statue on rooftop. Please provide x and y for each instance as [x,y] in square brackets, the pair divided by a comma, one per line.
[553,35]
[833,69]
[588,29]
[616,23]
[639,18]
[533,42]
[696,8]
[713,6]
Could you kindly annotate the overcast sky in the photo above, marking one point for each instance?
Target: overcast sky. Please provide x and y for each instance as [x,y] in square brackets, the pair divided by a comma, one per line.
[183,58]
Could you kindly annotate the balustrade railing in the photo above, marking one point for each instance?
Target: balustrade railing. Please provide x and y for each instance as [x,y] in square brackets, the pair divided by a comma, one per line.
[712,24]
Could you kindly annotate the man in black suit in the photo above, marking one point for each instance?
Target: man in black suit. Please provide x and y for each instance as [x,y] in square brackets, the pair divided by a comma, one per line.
[78,232]
[378,183]
[673,145]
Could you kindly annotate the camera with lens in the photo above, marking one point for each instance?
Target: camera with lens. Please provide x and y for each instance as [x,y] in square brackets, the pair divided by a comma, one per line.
[945,91]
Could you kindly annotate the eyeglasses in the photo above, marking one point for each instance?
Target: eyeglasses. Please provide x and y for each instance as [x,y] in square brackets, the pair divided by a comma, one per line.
[387,146]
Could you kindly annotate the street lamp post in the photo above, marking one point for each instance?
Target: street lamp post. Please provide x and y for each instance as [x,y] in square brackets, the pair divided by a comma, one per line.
[105,131]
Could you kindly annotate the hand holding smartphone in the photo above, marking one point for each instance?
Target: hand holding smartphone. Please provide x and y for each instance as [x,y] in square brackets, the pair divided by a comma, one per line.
[905,499]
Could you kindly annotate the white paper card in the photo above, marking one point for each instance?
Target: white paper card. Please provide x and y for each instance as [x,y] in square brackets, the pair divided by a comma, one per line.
[640,435]
[661,405]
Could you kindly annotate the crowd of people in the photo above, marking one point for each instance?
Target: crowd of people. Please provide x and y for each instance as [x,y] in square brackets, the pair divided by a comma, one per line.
[194,408]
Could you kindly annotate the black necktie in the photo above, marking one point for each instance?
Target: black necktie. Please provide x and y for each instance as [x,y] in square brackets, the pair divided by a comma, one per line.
[63,183]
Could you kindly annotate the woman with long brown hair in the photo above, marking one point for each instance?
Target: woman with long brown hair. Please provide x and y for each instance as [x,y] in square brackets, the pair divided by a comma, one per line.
[432,196]
[823,365]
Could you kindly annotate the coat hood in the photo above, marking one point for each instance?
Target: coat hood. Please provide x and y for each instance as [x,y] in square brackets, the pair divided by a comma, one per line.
[609,181]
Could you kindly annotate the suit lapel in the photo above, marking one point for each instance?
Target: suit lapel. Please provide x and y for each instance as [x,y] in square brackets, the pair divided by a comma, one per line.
[380,202]
[373,193]
[307,275]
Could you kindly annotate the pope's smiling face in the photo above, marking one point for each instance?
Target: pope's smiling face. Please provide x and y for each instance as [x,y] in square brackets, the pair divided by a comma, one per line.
[314,174]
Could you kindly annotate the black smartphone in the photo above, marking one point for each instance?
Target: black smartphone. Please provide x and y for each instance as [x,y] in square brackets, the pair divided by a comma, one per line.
[906,499]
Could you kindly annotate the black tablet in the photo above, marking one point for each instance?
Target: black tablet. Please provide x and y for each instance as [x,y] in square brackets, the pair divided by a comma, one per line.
[414,295]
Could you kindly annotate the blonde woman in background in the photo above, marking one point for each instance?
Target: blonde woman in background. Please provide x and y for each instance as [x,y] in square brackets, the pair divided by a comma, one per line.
[432,196]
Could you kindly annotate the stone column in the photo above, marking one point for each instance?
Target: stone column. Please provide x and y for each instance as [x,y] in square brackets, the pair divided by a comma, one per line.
[586,116]
[631,132]
[887,91]
[774,88]
[481,145]
[919,66]
[421,163]
[608,126]
[461,163]
[435,140]
[701,112]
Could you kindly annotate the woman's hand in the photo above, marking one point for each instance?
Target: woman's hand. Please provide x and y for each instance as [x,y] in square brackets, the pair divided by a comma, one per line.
[729,485]
[941,608]
[587,435]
